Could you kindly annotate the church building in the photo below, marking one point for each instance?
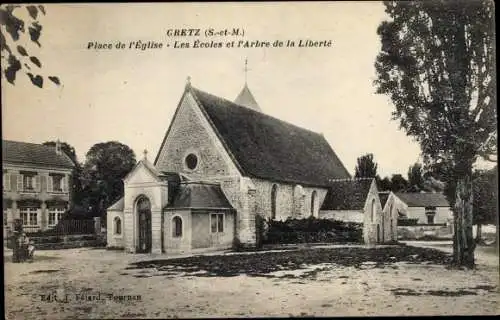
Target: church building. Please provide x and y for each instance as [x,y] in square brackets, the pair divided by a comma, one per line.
[220,164]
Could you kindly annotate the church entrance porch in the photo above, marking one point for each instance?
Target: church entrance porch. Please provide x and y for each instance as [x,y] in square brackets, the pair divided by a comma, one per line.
[144,226]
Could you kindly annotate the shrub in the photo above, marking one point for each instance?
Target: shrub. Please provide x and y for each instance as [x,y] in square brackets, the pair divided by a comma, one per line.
[407,222]
[310,230]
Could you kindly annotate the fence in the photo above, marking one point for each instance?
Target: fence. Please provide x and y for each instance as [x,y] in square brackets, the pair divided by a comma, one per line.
[66,234]
[66,227]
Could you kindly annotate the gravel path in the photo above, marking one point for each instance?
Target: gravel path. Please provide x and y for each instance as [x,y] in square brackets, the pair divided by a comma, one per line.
[109,290]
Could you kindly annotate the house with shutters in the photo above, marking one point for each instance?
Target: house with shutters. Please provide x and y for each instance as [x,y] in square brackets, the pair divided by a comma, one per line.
[35,185]
[219,166]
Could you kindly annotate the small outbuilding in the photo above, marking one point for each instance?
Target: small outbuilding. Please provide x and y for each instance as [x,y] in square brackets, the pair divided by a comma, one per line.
[357,200]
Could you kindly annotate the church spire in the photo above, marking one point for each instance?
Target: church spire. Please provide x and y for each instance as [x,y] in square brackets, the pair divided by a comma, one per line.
[245,98]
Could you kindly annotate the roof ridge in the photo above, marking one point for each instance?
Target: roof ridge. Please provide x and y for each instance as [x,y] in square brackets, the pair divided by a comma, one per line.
[201,182]
[350,179]
[256,112]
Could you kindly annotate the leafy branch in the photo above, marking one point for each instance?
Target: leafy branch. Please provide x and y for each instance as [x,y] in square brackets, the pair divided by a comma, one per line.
[16,57]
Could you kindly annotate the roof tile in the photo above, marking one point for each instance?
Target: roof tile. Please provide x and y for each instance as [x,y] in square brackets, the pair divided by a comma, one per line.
[347,194]
[32,153]
[423,199]
[269,148]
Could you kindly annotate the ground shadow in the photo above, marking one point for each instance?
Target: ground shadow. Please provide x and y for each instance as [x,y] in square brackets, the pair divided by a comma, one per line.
[264,263]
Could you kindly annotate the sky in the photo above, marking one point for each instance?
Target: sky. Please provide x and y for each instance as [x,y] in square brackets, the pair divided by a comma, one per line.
[130,95]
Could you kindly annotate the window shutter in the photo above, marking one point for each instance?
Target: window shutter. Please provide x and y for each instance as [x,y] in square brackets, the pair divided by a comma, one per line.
[64,183]
[6,181]
[37,183]
[50,184]
[19,182]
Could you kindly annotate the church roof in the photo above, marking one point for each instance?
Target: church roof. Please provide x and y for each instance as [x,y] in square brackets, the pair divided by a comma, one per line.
[349,194]
[246,99]
[34,154]
[268,148]
[199,195]
[118,205]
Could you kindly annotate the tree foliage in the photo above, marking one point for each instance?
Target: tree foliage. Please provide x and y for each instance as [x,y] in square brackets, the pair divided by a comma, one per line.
[486,197]
[384,184]
[398,183]
[105,166]
[415,178]
[14,44]
[437,65]
[365,167]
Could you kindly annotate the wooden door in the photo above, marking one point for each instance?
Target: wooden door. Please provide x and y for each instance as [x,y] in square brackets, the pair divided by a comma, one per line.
[145,238]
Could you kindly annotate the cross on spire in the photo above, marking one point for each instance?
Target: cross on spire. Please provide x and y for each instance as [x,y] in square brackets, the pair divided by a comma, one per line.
[246,69]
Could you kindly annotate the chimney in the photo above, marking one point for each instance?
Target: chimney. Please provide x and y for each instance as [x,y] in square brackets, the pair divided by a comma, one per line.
[58,147]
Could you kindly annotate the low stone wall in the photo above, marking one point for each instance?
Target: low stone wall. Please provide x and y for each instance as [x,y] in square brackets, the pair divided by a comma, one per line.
[65,242]
[425,231]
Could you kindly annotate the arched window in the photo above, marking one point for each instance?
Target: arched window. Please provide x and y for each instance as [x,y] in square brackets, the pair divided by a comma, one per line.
[274,195]
[176,227]
[118,225]
[313,202]
[374,209]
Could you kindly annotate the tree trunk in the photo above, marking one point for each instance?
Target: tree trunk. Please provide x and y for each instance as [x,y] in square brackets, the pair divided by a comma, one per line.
[463,239]
[479,236]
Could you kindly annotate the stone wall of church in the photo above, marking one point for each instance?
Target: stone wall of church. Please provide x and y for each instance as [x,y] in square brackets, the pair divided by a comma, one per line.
[172,243]
[190,133]
[290,201]
[115,238]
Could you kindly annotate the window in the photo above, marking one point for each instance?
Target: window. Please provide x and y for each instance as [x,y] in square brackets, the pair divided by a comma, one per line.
[430,218]
[55,215]
[5,215]
[191,161]
[430,212]
[373,210]
[274,195]
[143,204]
[52,218]
[29,216]
[28,181]
[56,182]
[6,181]
[177,227]
[313,202]
[217,222]
[118,225]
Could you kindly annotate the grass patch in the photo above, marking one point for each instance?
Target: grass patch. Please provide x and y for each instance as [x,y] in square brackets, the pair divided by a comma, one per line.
[265,263]
[45,271]
[443,293]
